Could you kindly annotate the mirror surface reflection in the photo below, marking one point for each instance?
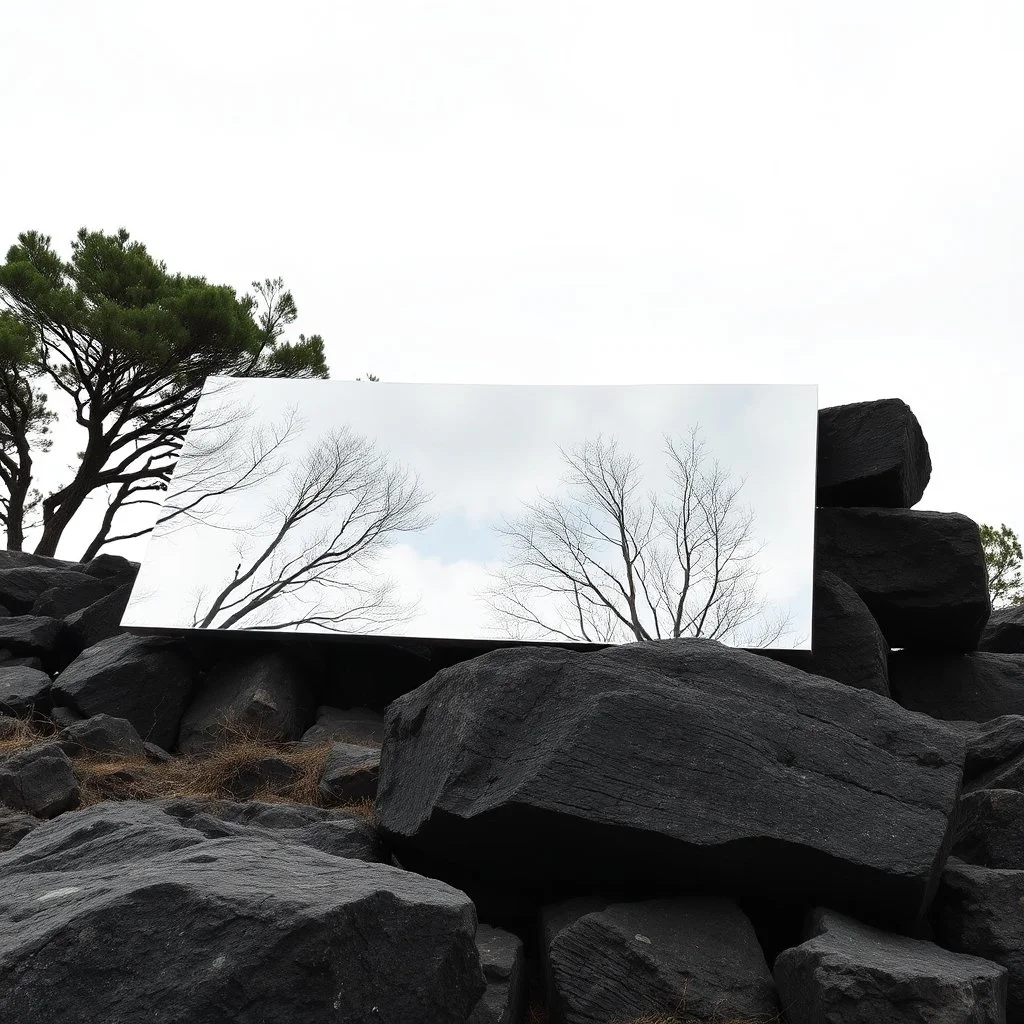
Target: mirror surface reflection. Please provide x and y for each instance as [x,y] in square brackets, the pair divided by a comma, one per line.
[589,514]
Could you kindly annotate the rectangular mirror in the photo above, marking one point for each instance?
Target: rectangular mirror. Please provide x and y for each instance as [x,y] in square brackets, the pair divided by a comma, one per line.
[577,514]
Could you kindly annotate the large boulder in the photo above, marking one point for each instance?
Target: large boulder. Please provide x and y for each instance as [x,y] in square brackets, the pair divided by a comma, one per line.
[501,957]
[980,911]
[99,620]
[266,694]
[847,644]
[23,691]
[1004,632]
[40,780]
[147,680]
[871,454]
[990,829]
[361,726]
[849,973]
[694,957]
[33,636]
[238,929]
[973,687]
[60,602]
[922,574]
[657,761]
[102,734]
[20,588]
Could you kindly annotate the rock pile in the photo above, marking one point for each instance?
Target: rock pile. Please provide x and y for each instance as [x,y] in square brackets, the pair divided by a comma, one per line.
[676,831]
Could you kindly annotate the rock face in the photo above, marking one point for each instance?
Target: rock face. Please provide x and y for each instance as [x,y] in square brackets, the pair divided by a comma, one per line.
[678,758]
[975,687]
[350,773]
[922,574]
[21,587]
[265,694]
[40,780]
[1004,633]
[990,829]
[144,679]
[871,454]
[360,726]
[501,957]
[99,620]
[849,973]
[979,911]
[59,602]
[33,636]
[224,929]
[23,690]
[698,958]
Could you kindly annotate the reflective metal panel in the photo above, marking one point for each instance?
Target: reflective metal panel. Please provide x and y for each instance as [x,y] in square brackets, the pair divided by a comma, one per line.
[592,514]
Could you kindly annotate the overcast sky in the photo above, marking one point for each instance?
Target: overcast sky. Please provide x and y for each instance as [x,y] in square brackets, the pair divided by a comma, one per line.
[569,192]
[480,454]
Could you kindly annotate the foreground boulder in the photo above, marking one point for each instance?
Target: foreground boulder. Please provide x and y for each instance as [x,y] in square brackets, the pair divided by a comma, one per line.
[922,574]
[693,957]
[23,691]
[871,454]
[849,973]
[40,780]
[1004,632]
[226,929]
[501,957]
[975,687]
[990,829]
[657,761]
[980,911]
[263,695]
[144,679]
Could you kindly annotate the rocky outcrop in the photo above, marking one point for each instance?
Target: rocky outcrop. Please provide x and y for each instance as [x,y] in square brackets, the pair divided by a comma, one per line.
[922,574]
[871,454]
[691,957]
[677,758]
[147,680]
[849,973]
[974,687]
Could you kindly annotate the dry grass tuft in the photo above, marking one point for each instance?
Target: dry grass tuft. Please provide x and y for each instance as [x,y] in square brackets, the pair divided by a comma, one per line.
[21,733]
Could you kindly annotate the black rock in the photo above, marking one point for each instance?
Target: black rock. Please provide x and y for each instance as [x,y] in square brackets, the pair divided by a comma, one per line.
[144,679]
[23,691]
[990,829]
[1004,633]
[27,560]
[656,761]
[264,695]
[339,833]
[361,726]
[980,911]
[264,775]
[60,602]
[99,621]
[12,662]
[33,636]
[350,773]
[227,929]
[871,454]
[14,826]
[850,973]
[921,574]
[112,566]
[847,644]
[974,687]
[691,957]
[20,587]
[40,780]
[62,717]
[101,734]
[156,754]
[501,957]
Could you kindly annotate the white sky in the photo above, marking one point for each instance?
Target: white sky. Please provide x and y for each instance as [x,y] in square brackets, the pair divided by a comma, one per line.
[481,452]
[569,192]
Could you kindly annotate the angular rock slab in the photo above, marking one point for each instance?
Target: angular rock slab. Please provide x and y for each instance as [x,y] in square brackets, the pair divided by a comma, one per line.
[502,958]
[656,761]
[1004,633]
[980,911]
[33,636]
[60,602]
[871,454]
[230,930]
[921,574]
[350,773]
[97,621]
[144,679]
[695,958]
[850,973]
[20,587]
[265,694]
[101,734]
[968,687]
[40,780]
[990,829]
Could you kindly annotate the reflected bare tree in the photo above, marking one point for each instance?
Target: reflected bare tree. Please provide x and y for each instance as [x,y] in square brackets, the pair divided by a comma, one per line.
[605,562]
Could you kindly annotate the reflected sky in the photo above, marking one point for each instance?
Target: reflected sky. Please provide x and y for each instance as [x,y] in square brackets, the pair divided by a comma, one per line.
[468,461]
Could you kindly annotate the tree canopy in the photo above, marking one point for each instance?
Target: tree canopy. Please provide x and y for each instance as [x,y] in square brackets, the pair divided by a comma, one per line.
[128,345]
[1004,559]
